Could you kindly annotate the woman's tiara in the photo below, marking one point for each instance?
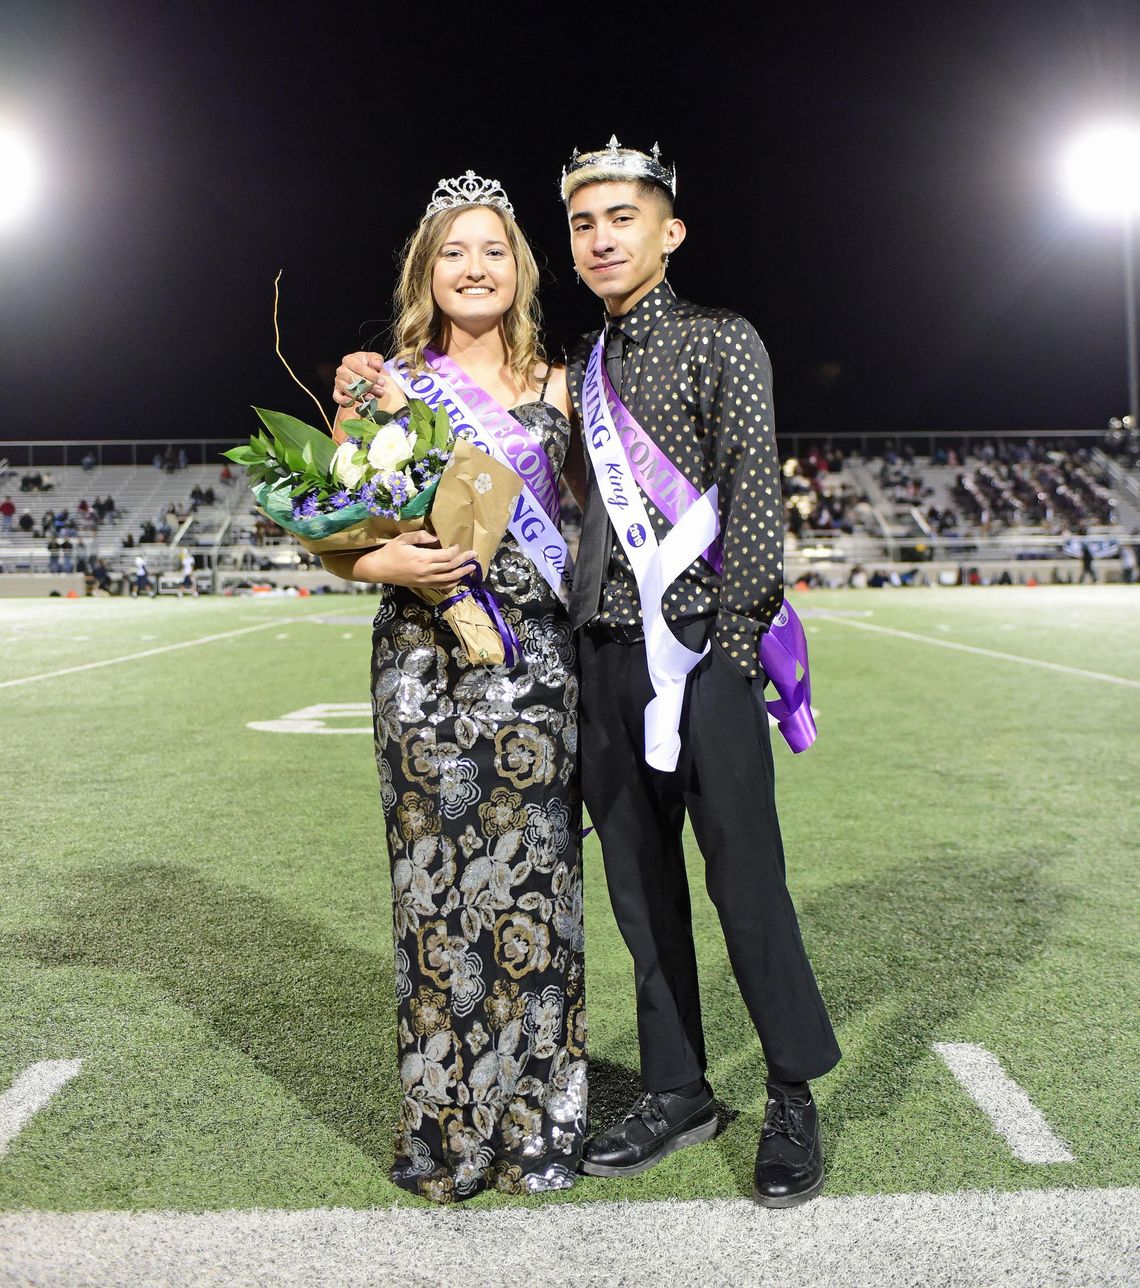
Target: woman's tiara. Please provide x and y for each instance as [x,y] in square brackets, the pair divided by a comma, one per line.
[469,189]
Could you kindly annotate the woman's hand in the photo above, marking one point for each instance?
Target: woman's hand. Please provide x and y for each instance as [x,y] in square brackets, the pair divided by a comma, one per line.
[368,367]
[412,559]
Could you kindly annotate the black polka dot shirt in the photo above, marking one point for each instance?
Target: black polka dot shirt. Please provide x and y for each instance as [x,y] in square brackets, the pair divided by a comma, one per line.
[699,382]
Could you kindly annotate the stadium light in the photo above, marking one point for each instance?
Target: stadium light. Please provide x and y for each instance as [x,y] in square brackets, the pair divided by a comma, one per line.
[18,174]
[1101,173]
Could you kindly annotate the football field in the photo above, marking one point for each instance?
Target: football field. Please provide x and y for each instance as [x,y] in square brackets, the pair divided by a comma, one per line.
[196,999]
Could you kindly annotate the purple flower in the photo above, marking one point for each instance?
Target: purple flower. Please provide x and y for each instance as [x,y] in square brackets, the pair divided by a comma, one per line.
[339,499]
[307,507]
[398,488]
[354,441]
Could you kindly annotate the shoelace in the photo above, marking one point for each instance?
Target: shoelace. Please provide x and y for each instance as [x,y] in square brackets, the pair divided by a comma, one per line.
[782,1120]
[648,1106]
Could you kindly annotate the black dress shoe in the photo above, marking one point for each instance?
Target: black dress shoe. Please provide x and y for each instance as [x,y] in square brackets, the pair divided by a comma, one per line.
[659,1124]
[789,1162]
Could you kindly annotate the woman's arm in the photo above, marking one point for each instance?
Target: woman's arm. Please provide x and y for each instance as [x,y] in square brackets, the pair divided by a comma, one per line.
[411,559]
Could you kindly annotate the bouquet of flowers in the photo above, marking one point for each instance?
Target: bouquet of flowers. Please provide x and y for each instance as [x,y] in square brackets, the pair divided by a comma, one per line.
[348,497]
[393,474]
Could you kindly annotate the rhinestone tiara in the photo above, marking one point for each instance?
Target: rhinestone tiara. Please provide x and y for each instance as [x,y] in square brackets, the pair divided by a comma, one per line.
[613,162]
[469,189]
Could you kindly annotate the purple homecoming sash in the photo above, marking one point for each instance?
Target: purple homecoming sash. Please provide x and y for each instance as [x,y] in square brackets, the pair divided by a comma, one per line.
[535,523]
[783,646]
[524,453]
[657,476]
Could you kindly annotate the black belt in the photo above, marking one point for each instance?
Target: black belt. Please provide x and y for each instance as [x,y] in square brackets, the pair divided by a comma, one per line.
[616,634]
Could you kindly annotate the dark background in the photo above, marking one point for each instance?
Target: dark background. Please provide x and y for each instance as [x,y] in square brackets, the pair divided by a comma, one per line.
[873,186]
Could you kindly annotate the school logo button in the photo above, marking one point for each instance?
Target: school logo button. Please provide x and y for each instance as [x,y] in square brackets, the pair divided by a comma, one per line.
[635,535]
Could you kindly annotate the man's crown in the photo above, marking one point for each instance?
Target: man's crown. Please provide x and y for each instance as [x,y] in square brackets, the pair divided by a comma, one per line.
[613,162]
[468,189]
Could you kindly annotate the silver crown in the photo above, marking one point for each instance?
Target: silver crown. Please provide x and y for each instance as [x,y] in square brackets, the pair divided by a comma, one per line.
[615,162]
[469,189]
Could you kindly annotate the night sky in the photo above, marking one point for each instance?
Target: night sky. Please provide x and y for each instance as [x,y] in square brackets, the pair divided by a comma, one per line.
[873,186]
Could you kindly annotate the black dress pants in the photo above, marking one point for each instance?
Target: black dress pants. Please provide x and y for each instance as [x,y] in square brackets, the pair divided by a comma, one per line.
[725,780]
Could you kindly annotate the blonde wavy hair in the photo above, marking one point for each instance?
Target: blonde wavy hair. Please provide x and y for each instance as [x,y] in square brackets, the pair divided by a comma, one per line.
[420,323]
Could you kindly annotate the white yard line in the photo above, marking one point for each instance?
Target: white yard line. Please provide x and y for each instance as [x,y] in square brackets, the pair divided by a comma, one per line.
[30,1092]
[1004,1103]
[149,652]
[981,652]
[1059,1237]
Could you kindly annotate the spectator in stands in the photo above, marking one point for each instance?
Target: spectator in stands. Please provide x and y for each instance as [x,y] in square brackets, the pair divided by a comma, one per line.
[148,536]
[27,523]
[54,564]
[129,540]
[47,481]
[1087,569]
[67,551]
[88,461]
[7,513]
[227,475]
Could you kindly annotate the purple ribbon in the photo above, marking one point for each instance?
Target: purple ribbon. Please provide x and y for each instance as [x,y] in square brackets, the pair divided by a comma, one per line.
[472,586]
[783,647]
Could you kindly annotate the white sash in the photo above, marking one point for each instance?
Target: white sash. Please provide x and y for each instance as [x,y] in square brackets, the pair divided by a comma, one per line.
[531,526]
[655,566]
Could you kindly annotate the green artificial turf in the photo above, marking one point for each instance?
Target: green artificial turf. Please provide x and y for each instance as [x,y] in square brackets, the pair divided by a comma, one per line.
[198,910]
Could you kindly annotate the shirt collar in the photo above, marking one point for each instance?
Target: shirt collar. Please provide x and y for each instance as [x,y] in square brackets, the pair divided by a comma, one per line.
[646,313]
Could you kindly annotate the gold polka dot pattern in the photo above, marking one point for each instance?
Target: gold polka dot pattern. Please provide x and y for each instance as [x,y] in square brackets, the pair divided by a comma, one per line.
[699,382]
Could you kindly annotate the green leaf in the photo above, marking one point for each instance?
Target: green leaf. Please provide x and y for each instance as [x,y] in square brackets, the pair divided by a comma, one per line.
[241,455]
[290,432]
[442,434]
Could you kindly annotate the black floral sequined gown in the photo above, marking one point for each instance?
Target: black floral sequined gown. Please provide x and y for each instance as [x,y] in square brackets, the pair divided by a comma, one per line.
[479,784]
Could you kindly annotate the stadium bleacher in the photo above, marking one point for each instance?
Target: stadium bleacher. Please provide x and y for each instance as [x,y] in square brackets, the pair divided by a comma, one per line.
[1017,506]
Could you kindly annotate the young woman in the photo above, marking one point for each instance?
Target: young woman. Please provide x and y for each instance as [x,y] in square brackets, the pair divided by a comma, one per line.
[477,764]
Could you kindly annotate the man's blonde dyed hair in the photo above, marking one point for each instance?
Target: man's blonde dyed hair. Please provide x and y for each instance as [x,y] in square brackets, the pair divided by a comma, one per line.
[421,324]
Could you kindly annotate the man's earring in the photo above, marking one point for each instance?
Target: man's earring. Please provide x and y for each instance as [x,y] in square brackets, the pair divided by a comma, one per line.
[578,276]
[666,261]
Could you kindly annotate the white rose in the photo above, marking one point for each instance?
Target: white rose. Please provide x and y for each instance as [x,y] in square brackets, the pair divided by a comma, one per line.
[390,449]
[344,469]
[413,486]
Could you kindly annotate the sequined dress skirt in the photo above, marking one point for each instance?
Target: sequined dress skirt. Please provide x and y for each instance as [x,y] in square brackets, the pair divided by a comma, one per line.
[479,785]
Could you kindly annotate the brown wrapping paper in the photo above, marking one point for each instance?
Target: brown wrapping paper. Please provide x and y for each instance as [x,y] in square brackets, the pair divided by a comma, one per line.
[472,507]
[361,536]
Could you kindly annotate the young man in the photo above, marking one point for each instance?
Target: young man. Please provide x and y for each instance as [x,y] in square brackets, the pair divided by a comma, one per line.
[679,633]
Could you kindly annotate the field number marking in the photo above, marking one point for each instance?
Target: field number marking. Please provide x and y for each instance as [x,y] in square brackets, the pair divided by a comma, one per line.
[1004,1103]
[30,1093]
[315,719]
[981,652]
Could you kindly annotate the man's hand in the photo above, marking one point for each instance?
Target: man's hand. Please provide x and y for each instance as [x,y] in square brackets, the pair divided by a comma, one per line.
[412,559]
[355,367]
